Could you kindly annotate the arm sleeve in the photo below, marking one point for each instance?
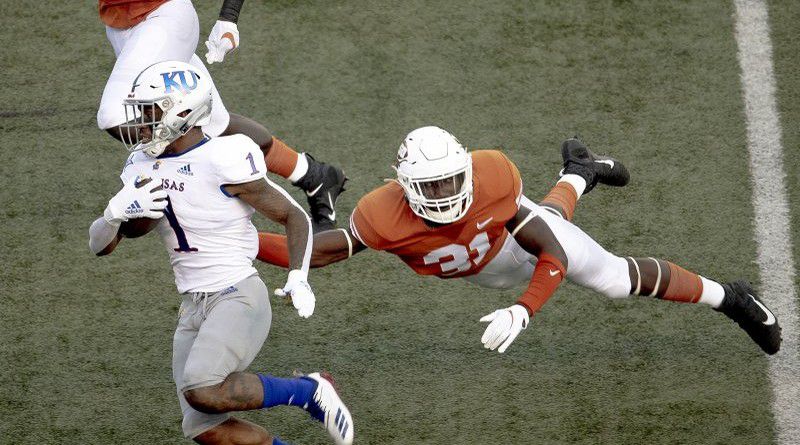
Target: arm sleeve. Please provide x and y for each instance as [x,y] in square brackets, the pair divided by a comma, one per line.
[101,234]
[230,10]
[544,283]
[241,162]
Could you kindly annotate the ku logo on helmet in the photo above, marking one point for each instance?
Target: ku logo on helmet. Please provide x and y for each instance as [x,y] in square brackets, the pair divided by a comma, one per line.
[170,82]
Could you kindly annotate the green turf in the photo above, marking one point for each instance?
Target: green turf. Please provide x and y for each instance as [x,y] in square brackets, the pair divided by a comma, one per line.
[85,342]
[787,70]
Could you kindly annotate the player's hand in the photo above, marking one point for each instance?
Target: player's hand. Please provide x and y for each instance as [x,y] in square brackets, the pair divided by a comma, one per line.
[136,200]
[300,292]
[223,39]
[504,326]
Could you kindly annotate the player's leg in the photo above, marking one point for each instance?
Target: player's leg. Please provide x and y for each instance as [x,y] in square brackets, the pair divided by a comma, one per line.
[590,265]
[237,432]
[322,182]
[582,171]
[203,427]
[738,300]
[169,33]
[190,318]
[235,326]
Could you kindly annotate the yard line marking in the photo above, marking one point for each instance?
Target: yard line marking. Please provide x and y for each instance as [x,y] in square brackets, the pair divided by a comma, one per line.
[775,261]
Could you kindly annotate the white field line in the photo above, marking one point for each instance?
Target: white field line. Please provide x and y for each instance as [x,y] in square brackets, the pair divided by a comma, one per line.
[772,229]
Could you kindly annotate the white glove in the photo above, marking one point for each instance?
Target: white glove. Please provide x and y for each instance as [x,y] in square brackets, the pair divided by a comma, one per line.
[136,201]
[223,39]
[505,325]
[300,292]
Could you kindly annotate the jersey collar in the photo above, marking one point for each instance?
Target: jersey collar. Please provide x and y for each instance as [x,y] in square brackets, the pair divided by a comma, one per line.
[205,139]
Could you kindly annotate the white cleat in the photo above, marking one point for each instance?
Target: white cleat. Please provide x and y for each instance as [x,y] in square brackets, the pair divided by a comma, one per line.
[327,407]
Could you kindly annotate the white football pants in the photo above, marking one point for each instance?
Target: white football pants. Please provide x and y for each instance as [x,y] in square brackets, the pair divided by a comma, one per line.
[170,32]
[588,263]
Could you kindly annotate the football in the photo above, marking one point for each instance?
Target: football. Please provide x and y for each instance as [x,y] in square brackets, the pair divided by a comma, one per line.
[134,228]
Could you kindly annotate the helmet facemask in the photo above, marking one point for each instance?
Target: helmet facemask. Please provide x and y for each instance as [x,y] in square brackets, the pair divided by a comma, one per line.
[142,115]
[441,199]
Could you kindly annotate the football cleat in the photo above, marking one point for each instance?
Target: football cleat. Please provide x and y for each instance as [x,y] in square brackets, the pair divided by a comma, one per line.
[326,406]
[323,183]
[742,305]
[579,160]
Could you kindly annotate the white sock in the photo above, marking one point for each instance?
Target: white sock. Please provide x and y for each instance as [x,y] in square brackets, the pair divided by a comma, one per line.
[578,183]
[300,168]
[713,293]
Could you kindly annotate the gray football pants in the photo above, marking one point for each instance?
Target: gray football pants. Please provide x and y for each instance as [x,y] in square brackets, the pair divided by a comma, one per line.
[217,334]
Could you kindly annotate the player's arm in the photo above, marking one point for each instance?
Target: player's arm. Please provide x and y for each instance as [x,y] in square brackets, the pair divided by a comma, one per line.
[135,200]
[535,236]
[274,203]
[103,236]
[330,246]
[224,37]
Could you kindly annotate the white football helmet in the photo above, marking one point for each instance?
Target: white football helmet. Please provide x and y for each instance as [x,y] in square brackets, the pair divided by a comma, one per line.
[435,172]
[173,88]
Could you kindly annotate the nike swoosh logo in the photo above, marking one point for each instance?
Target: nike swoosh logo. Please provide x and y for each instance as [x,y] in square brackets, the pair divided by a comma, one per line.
[483,224]
[608,162]
[770,316]
[554,272]
[314,192]
[332,216]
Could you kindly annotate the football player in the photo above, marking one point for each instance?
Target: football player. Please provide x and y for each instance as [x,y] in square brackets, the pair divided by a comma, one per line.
[199,193]
[144,32]
[455,214]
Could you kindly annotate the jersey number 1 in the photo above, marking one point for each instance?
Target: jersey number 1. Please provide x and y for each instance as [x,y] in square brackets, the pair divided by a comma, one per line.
[183,244]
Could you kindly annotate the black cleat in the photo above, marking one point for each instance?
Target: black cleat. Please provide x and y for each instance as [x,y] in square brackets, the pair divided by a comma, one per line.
[579,160]
[322,183]
[745,308]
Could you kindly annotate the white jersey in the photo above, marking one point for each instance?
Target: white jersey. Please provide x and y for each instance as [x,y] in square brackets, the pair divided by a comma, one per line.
[208,234]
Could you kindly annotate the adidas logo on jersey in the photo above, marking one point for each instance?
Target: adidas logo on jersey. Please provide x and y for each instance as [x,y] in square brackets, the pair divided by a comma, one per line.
[134,209]
[186,170]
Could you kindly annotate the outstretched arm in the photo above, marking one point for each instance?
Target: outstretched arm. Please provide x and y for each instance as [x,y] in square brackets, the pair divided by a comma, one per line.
[274,203]
[533,234]
[330,246]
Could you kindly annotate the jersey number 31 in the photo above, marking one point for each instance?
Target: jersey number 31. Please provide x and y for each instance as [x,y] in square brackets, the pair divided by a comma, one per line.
[461,255]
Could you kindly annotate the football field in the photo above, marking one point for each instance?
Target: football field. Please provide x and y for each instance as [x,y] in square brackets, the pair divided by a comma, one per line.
[85,342]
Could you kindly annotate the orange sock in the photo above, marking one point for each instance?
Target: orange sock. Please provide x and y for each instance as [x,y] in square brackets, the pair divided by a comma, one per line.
[281,159]
[684,286]
[564,197]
